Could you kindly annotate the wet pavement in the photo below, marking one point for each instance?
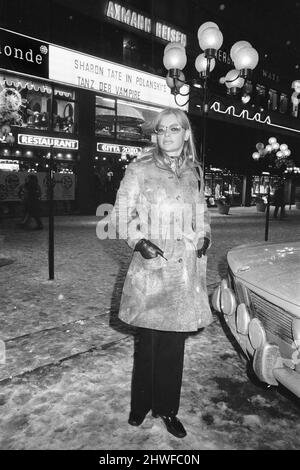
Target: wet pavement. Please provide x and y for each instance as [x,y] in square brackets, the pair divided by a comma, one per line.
[65,383]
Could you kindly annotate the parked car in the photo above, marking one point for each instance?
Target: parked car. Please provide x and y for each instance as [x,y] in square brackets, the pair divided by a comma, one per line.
[260,301]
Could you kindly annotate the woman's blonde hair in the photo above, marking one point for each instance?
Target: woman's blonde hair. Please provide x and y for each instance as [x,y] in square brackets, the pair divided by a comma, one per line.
[189,149]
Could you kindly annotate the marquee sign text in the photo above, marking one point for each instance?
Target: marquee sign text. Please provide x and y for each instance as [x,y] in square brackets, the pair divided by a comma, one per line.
[9,165]
[107,77]
[45,141]
[22,54]
[143,23]
[121,149]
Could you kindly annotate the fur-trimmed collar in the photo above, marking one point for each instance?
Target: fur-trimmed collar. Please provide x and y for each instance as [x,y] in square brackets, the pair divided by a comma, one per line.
[187,164]
[160,162]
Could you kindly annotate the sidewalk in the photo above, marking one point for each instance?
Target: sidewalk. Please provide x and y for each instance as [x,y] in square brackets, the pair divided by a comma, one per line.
[66,380]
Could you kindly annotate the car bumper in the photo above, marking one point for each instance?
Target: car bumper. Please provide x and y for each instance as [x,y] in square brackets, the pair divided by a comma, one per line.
[264,332]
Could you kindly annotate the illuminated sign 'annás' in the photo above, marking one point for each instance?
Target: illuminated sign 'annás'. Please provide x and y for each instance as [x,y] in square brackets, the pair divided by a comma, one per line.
[244,114]
[216,106]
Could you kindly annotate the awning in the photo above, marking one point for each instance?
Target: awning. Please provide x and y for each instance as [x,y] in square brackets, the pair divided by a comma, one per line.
[30,85]
[23,83]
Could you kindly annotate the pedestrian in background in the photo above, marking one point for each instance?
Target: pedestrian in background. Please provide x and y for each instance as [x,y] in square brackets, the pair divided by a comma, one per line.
[279,200]
[32,196]
[164,293]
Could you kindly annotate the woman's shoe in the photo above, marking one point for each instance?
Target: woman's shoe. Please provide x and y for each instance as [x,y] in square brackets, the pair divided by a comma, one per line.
[135,419]
[173,425]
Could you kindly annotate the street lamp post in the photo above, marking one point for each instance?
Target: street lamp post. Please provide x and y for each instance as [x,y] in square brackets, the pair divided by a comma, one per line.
[51,182]
[204,121]
[51,215]
[267,213]
[244,56]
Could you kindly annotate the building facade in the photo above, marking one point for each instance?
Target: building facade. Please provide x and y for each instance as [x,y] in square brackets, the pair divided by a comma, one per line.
[83,81]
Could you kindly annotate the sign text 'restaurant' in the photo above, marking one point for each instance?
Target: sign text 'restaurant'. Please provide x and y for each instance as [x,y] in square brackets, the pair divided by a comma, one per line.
[45,141]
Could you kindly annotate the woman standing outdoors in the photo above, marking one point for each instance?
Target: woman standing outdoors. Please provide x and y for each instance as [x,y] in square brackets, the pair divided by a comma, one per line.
[164,293]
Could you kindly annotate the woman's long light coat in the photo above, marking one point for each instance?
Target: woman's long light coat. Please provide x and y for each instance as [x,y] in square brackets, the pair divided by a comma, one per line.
[164,205]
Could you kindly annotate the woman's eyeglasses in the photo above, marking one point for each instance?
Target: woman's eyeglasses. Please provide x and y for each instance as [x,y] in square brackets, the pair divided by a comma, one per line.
[172,129]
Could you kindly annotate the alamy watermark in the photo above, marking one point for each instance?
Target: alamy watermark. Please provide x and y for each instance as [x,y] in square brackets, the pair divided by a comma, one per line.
[166,220]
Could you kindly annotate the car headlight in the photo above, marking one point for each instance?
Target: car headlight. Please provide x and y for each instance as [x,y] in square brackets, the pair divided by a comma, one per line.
[296,331]
[242,319]
[257,334]
[216,299]
[266,359]
[228,301]
[296,345]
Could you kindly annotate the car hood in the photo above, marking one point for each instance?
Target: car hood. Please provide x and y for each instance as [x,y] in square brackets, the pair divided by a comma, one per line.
[270,267]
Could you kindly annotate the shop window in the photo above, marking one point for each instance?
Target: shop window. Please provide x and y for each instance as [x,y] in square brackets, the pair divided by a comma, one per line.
[129,121]
[124,120]
[232,188]
[38,109]
[134,120]
[64,111]
[105,116]
[261,99]
[222,185]
[273,100]
[283,103]
[260,186]
[27,103]
[24,102]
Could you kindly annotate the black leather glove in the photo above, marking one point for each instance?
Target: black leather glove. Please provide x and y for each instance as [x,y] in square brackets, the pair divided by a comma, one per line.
[203,249]
[147,249]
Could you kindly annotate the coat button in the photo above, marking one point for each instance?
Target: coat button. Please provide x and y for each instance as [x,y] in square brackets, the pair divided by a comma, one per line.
[180,260]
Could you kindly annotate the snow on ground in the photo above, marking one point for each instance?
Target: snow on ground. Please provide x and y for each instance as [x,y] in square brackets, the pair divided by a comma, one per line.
[70,359]
[83,403]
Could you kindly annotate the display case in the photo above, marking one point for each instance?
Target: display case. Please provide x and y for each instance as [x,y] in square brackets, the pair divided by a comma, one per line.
[221,184]
[28,103]
[261,185]
[65,111]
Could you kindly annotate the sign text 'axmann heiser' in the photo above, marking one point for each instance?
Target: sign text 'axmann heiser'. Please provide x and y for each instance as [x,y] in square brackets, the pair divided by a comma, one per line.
[143,23]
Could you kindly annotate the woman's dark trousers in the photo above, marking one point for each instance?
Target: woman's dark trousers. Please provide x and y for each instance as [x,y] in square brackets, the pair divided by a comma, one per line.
[157,372]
